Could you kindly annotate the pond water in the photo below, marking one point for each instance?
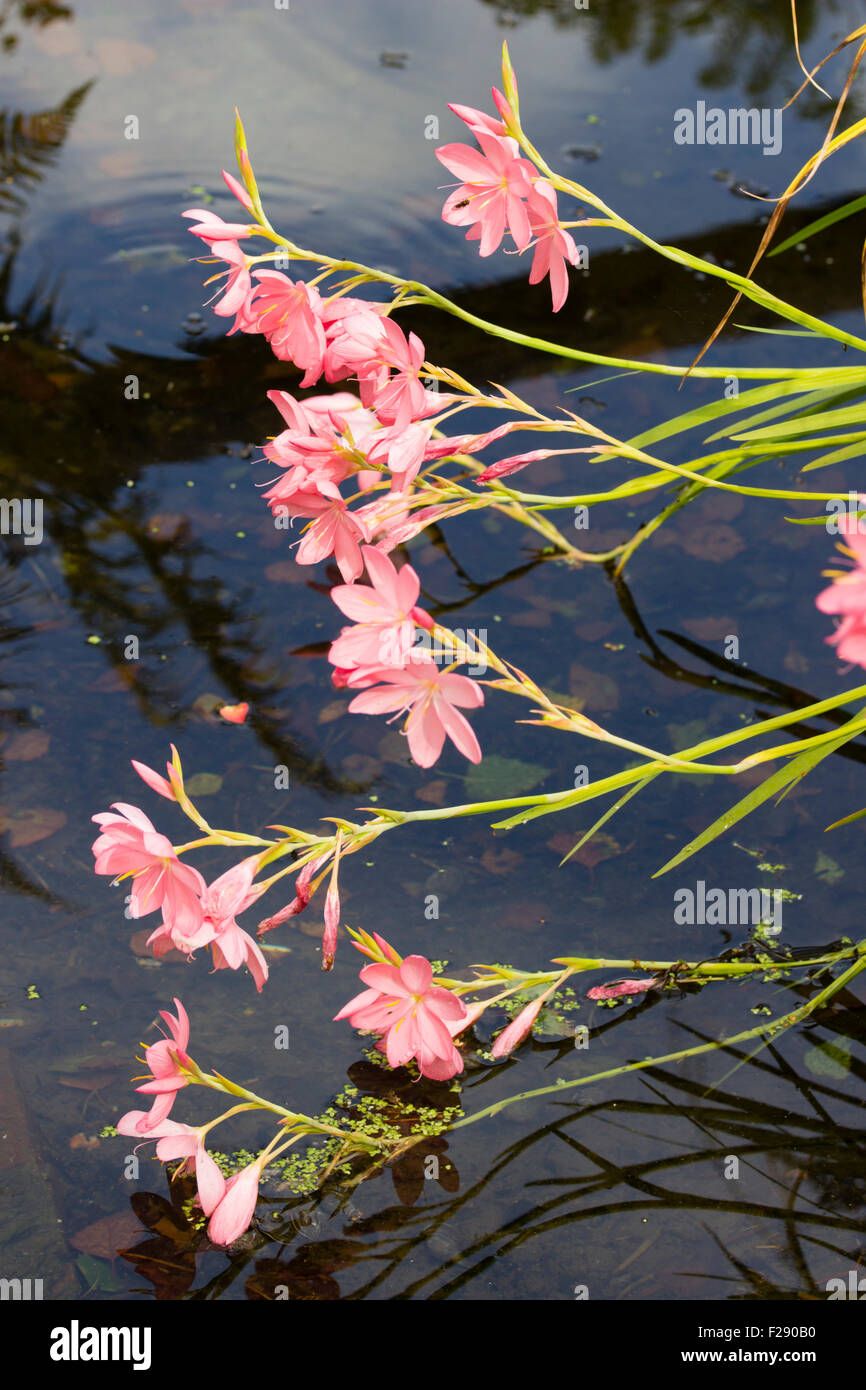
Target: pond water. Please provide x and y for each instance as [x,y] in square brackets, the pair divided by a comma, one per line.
[154,527]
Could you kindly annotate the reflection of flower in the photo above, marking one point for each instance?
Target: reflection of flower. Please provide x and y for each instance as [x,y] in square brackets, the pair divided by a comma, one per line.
[427,1159]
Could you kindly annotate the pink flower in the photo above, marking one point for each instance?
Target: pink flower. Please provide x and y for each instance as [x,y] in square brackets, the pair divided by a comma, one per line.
[496,181]
[129,845]
[303,893]
[414,1015]
[478,120]
[213,229]
[384,613]
[238,190]
[519,1028]
[401,398]
[234,1212]
[431,697]
[238,284]
[178,1140]
[514,464]
[616,988]
[153,779]
[229,895]
[289,316]
[353,330]
[165,1060]
[335,531]
[224,899]
[846,596]
[553,245]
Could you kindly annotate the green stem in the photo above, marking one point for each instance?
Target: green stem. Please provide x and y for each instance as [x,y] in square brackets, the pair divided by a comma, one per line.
[770,1029]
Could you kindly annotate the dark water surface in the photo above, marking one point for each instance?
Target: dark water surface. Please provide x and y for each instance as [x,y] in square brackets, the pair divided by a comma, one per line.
[154,527]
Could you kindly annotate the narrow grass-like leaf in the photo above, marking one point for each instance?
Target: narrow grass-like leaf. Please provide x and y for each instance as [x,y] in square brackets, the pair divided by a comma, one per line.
[812,228]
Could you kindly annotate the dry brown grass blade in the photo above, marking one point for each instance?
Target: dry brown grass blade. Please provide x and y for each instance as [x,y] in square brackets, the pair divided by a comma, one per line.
[808,75]
[804,175]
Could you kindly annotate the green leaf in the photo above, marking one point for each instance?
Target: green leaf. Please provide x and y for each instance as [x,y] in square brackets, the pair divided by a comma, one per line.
[780,782]
[830,1059]
[203,783]
[825,419]
[827,868]
[98,1274]
[846,820]
[496,778]
[811,228]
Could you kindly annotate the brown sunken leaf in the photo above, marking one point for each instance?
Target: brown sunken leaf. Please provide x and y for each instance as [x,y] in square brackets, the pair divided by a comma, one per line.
[713,541]
[595,851]
[285,572]
[711,629]
[26,746]
[81,1141]
[108,1236]
[89,1080]
[30,826]
[501,861]
[116,679]
[592,689]
[434,793]
[167,527]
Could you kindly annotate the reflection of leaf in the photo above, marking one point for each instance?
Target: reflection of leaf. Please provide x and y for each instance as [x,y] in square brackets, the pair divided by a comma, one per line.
[275,1280]
[30,826]
[161,1217]
[325,1256]
[496,777]
[830,1059]
[203,783]
[827,869]
[29,144]
[170,1271]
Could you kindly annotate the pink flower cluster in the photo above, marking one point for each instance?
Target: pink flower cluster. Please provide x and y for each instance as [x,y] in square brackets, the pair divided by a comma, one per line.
[230,1205]
[415,1018]
[194,913]
[500,191]
[376,655]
